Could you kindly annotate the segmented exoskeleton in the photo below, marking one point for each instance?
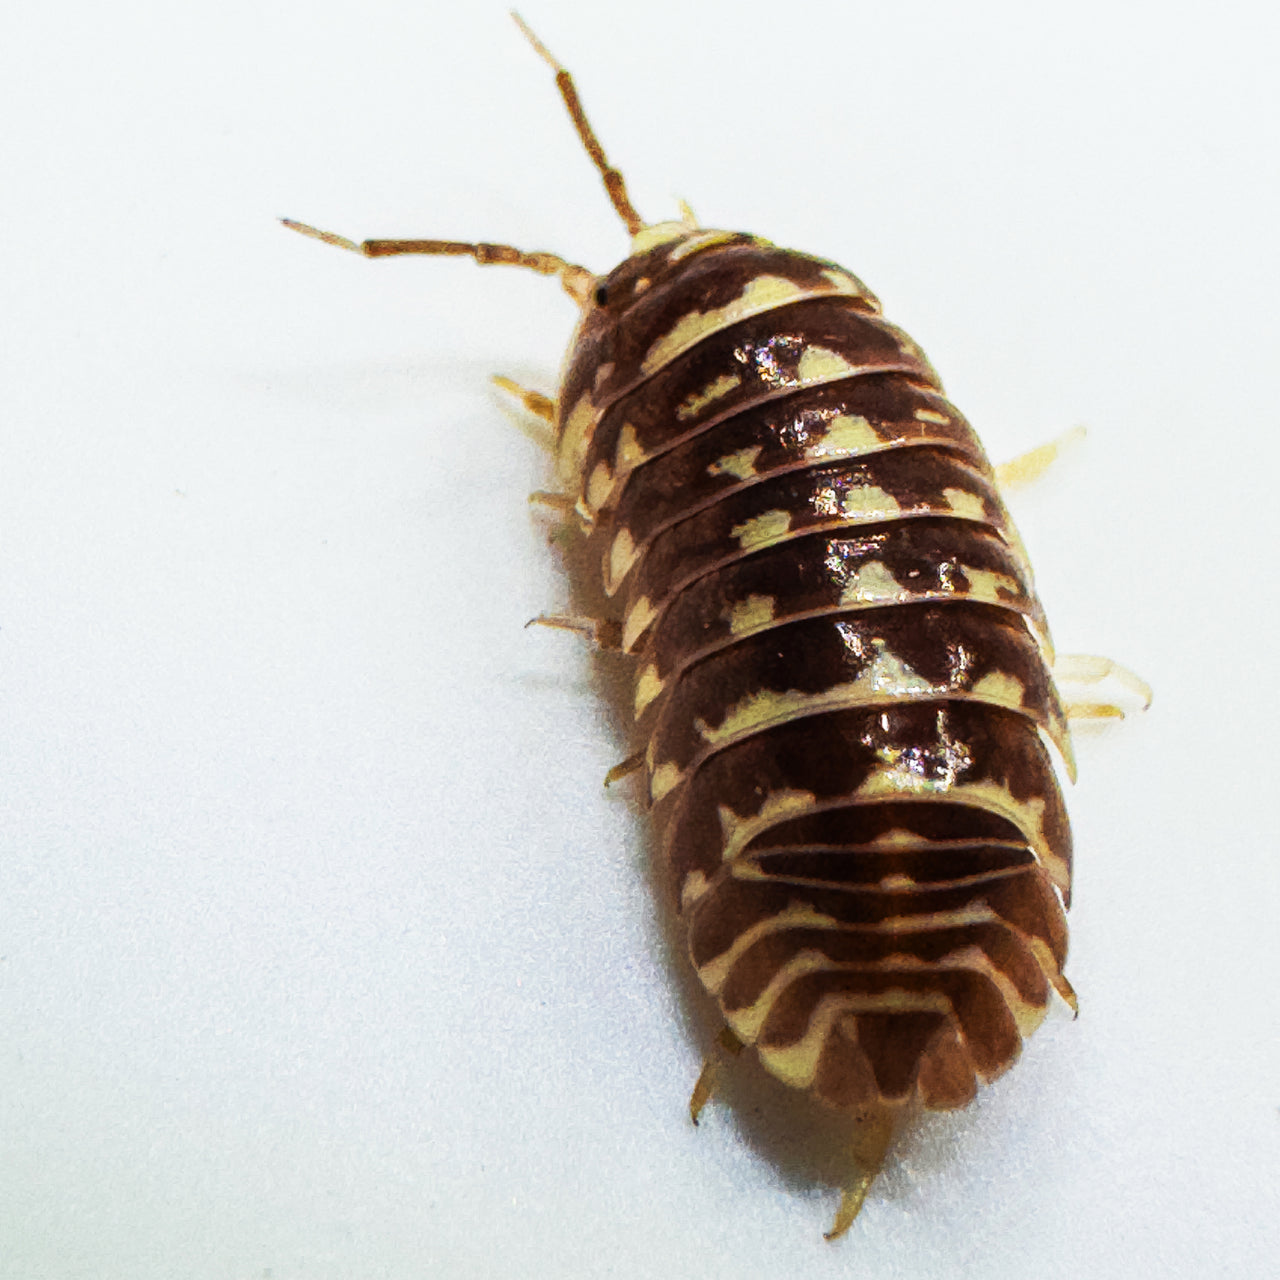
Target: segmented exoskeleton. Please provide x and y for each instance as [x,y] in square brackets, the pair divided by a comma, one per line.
[842,670]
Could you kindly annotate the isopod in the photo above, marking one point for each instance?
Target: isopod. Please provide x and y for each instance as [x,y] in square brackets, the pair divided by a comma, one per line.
[844,680]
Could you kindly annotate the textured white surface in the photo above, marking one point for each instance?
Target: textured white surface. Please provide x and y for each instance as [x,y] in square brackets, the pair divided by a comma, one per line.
[323,952]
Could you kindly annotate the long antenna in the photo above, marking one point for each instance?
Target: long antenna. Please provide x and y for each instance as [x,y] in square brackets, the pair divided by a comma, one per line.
[613,182]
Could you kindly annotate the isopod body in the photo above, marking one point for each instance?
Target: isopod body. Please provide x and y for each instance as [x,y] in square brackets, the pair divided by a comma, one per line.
[842,669]
[843,679]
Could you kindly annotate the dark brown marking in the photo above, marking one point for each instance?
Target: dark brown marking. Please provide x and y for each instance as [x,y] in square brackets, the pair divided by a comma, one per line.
[937,748]
[951,647]
[782,436]
[914,481]
[764,353]
[619,331]
[809,576]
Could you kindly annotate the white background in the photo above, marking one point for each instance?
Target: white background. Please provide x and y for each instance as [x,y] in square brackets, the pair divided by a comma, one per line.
[322,951]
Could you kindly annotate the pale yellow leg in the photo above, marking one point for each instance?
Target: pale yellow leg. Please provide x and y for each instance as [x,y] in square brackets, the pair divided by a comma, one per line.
[560,502]
[1093,711]
[605,632]
[541,409]
[1035,462]
[870,1146]
[535,402]
[1088,671]
[624,768]
[726,1044]
[573,519]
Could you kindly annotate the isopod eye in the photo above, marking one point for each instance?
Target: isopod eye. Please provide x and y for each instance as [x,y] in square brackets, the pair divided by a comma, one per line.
[602,295]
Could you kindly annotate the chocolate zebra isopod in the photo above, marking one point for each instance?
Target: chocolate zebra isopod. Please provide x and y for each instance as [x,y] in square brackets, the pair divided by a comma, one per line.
[844,681]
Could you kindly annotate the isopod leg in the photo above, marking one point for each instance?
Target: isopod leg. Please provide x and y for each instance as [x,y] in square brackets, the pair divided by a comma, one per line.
[605,632]
[727,1045]
[535,402]
[560,502]
[1035,462]
[1088,671]
[624,768]
[871,1144]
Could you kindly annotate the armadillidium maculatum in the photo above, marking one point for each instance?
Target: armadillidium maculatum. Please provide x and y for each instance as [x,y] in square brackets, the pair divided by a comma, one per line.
[844,693]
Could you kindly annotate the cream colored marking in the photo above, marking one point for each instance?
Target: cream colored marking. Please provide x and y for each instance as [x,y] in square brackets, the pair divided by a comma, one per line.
[657,233]
[867,500]
[599,487]
[872,584]
[737,831]
[931,415]
[898,838]
[986,586]
[696,243]
[574,435]
[885,677]
[585,516]
[818,364]
[802,916]
[693,405]
[847,435]
[795,915]
[1057,737]
[622,557]
[694,886]
[1027,1016]
[888,675]
[664,779]
[1001,688]
[901,774]
[629,454]
[762,293]
[751,614]
[796,1064]
[846,282]
[641,285]
[762,530]
[968,506]
[740,465]
[909,346]
[637,621]
[748,1021]
[604,371]
[648,686]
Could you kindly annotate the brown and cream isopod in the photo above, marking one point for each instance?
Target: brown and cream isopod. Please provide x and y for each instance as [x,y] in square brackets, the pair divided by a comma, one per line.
[843,677]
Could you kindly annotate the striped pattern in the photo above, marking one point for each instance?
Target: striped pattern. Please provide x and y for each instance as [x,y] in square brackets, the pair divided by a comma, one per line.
[841,667]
